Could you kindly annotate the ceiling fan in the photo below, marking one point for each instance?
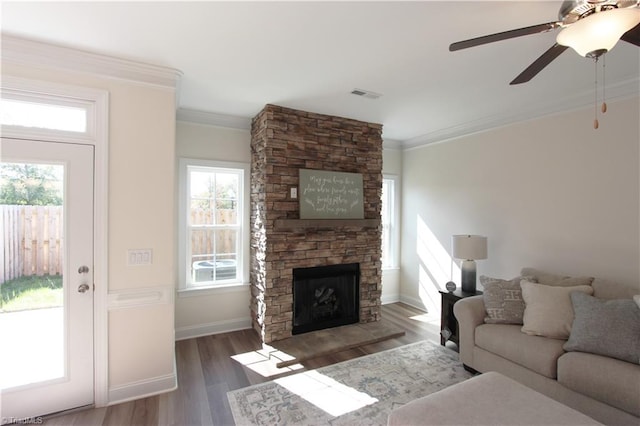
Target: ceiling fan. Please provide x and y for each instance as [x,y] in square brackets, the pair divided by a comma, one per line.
[582,23]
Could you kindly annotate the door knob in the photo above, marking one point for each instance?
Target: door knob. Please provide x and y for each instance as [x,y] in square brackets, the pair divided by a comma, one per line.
[82,288]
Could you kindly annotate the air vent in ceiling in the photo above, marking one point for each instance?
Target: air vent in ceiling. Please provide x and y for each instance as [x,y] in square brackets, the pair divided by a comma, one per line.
[365,94]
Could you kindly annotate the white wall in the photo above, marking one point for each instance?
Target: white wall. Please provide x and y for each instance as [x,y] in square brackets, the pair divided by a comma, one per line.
[217,310]
[551,193]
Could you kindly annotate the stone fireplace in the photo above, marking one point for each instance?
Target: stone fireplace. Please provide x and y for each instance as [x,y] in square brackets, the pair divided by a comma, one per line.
[283,141]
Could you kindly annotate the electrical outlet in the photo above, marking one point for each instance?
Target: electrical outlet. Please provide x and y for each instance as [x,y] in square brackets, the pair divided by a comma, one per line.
[294,192]
[137,257]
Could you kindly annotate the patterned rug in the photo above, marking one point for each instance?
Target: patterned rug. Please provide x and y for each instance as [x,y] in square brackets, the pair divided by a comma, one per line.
[361,391]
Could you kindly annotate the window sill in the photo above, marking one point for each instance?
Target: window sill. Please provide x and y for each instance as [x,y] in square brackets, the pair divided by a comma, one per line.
[210,291]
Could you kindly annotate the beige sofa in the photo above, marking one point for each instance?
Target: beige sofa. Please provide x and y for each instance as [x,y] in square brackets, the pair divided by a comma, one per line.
[604,388]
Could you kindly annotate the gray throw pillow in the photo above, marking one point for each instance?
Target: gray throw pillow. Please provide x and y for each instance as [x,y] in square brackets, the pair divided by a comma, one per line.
[503,300]
[605,327]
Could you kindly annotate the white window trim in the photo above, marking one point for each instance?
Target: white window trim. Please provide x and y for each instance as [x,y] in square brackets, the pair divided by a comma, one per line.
[60,97]
[394,242]
[183,208]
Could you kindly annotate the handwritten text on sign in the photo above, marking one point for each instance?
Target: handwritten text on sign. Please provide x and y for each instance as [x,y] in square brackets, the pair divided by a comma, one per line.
[330,195]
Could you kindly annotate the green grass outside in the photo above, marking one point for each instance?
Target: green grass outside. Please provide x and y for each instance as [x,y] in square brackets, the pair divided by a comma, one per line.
[31,293]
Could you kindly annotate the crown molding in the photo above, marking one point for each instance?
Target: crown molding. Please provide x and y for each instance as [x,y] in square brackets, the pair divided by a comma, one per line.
[391,143]
[45,55]
[213,119]
[242,123]
[616,92]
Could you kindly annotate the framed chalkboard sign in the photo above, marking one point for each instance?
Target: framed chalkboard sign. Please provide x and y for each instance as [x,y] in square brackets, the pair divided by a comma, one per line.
[330,195]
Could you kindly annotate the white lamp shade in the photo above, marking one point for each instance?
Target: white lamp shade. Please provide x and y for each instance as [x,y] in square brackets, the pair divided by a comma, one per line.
[469,247]
[599,31]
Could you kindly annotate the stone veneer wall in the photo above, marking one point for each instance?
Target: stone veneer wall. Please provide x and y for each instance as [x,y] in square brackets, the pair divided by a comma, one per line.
[282,142]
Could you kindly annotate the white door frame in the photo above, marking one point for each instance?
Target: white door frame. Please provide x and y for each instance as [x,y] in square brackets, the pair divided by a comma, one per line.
[96,103]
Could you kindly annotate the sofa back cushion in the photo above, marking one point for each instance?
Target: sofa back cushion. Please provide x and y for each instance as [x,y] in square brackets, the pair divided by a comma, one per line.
[549,278]
[605,289]
[602,288]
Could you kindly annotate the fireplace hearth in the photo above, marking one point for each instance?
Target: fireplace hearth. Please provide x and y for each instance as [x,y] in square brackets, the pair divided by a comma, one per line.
[325,296]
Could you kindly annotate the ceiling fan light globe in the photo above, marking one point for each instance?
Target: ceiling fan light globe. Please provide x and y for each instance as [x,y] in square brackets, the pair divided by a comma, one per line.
[599,31]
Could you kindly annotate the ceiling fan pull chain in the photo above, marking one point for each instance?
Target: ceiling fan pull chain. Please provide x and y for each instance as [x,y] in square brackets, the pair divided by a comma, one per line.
[595,109]
[604,84]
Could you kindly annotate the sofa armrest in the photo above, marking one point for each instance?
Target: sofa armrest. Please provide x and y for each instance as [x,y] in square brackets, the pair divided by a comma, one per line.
[470,313]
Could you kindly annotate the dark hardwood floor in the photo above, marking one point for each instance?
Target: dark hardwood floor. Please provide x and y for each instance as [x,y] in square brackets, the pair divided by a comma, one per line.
[207,371]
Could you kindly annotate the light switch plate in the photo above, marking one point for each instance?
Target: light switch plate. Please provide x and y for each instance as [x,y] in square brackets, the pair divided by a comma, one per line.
[138,257]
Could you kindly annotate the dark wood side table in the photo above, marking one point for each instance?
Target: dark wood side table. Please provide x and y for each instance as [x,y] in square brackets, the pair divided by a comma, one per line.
[448,322]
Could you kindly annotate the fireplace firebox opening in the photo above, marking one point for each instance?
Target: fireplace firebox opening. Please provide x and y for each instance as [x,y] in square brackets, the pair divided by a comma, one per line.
[325,297]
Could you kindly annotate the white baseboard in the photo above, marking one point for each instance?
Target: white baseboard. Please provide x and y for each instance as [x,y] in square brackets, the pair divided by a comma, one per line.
[192,331]
[390,298]
[143,388]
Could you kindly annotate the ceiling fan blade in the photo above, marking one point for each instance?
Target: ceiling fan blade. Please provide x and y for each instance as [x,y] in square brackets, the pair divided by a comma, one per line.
[539,64]
[534,29]
[632,36]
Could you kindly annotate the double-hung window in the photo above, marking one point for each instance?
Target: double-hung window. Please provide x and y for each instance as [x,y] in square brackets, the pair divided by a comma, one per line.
[214,224]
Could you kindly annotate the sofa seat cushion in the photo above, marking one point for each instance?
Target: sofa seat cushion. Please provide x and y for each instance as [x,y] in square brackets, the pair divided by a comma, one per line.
[608,380]
[536,353]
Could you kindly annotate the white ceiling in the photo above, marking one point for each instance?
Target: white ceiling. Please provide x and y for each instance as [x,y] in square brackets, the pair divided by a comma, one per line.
[238,56]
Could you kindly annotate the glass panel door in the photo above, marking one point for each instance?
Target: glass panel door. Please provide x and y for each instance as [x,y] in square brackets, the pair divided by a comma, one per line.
[32,302]
[46,281]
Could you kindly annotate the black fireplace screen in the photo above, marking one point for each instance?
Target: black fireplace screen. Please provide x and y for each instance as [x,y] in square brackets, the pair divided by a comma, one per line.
[325,296]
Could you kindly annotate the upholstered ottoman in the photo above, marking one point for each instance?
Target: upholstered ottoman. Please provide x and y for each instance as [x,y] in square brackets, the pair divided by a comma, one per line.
[487,399]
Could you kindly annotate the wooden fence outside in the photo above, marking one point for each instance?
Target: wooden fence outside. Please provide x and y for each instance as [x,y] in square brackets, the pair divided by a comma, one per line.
[32,241]
[202,242]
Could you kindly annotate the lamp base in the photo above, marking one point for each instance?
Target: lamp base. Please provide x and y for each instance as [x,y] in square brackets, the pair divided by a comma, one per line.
[468,269]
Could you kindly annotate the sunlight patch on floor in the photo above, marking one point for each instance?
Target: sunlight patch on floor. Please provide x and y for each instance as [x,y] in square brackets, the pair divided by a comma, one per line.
[265,360]
[426,318]
[326,393]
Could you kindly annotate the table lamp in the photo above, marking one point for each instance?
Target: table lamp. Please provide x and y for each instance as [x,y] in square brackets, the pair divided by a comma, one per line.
[469,248]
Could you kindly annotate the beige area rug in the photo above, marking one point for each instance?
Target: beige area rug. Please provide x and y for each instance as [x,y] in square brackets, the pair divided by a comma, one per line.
[361,391]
